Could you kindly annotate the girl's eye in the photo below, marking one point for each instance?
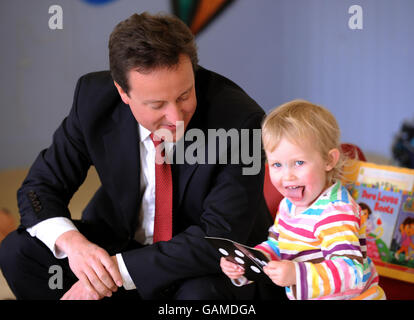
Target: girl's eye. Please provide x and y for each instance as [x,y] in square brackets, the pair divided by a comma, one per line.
[277,165]
[299,163]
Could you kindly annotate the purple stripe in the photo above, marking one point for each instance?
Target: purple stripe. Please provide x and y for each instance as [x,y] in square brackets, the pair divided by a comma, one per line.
[340,247]
[286,256]
[303,282]
[274,233]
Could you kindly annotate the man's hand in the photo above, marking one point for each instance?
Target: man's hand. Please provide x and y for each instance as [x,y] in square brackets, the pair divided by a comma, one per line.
[79,292]
[282,272]
[97,272]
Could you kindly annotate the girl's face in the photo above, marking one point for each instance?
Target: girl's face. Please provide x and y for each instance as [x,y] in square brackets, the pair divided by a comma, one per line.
[299,173]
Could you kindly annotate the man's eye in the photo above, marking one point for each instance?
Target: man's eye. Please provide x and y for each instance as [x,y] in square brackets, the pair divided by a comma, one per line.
[156,106]
[277,165]
[299,163]
[183,97]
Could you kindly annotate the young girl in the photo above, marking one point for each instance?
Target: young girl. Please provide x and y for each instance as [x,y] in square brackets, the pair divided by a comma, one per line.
[317,245]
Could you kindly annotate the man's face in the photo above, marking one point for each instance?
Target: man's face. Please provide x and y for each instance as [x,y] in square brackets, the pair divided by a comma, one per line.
[161,97]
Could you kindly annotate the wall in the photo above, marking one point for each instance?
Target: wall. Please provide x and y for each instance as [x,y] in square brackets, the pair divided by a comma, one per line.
[276,50]
[281,50]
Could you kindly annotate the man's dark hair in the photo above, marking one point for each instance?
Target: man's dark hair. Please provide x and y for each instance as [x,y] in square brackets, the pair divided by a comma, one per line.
[145,42]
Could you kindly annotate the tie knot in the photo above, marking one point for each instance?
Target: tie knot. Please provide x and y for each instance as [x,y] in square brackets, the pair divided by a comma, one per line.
[156,140]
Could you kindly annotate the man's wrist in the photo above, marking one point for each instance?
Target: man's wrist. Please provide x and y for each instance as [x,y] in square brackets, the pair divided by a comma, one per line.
[49,230]
[64,241]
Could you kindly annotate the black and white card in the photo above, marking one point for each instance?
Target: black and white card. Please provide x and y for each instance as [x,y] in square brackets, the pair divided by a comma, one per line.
[250,259]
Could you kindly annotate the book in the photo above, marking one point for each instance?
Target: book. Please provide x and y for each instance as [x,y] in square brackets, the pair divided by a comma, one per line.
[388,177]
[386,197]
[251,259]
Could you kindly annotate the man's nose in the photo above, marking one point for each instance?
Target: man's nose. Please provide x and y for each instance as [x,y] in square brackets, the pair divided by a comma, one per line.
[174,113]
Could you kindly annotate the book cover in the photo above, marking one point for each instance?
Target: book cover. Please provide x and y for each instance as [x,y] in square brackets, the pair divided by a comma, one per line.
[389,215]
[383,176]
[402,244]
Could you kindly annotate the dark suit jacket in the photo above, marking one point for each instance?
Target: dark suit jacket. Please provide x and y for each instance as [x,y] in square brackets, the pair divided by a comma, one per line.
[209,199]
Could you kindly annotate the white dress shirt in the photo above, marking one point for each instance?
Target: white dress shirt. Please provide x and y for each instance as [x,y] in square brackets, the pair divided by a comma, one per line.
[49,230]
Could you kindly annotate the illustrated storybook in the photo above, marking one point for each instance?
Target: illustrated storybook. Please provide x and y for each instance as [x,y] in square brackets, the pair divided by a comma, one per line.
[386,197]
[250,259]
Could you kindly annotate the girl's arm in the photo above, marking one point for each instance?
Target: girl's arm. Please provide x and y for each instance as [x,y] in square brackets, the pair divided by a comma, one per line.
[270,247]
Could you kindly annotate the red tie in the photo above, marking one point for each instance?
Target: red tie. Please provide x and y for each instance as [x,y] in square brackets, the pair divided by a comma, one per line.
[163,196]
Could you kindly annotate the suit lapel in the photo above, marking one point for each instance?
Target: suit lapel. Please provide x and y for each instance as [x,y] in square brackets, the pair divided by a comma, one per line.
[123,161]
[186,170]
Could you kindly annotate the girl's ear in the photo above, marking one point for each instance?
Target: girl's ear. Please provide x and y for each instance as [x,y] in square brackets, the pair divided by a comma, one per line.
[333,158]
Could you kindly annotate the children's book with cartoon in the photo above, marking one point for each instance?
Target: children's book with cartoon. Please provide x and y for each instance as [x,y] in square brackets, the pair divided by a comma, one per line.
[390,218]
[250,259]
[402,240]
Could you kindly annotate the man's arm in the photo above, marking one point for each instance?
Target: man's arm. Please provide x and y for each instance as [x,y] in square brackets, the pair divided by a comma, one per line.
[45,193]
[56,173]
[49,230]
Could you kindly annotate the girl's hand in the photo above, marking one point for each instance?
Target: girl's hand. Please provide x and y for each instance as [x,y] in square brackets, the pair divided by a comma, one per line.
[282,272]
[230,269]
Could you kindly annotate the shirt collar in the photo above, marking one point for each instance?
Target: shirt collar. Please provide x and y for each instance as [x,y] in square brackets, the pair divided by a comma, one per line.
[321,201]
[144,133]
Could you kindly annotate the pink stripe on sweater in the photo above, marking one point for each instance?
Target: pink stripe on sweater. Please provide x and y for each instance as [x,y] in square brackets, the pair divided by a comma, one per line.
[299,231]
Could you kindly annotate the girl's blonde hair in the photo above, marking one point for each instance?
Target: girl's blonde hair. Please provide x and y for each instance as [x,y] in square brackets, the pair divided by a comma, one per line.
[300,122]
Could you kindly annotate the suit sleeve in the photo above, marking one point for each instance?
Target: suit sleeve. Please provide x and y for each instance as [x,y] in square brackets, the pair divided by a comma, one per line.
[56,173]
[230,210]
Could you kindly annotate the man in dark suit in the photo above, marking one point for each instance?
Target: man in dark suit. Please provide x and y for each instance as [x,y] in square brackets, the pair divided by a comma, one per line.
[154,85]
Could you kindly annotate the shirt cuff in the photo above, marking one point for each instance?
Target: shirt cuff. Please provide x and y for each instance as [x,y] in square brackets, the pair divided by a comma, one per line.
[126,278]
[49,230]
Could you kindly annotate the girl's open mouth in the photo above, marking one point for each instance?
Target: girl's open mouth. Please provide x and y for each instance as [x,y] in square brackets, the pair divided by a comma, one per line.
[295,193]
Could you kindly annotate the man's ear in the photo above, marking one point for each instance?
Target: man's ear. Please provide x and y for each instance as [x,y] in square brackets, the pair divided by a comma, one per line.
[122,93]
[333,158]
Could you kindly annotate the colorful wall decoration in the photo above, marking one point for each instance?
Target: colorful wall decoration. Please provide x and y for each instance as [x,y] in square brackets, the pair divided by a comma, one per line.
[198,14]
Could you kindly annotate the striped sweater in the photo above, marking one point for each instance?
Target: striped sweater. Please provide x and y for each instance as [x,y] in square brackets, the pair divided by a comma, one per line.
[328,245]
